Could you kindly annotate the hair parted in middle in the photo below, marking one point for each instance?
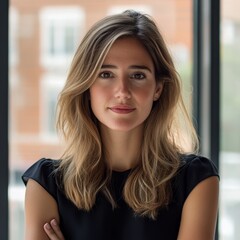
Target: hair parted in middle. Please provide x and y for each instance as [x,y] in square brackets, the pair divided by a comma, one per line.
[83,166]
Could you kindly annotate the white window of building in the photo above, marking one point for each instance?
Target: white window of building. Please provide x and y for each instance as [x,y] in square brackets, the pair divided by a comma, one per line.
[61,30]
[51,85]
[228,31]
[13,36]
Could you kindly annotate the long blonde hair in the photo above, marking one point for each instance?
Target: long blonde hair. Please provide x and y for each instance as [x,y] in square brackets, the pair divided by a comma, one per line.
[83,169]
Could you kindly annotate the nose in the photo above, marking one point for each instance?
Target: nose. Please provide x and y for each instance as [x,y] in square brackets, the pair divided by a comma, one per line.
[123,89]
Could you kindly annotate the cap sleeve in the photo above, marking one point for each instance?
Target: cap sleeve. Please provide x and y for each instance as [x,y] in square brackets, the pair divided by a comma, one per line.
[43,172]
[193,170]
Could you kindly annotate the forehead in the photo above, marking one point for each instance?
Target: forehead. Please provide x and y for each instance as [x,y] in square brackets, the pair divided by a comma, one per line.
[128,50]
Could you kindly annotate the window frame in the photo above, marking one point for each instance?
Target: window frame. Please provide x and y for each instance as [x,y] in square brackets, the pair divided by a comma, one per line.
[4,174]
[58,18]
[49,82]
[206,76]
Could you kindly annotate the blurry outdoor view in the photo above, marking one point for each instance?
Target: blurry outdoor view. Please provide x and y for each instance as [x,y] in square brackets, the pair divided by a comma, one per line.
[43,37]
[230,127]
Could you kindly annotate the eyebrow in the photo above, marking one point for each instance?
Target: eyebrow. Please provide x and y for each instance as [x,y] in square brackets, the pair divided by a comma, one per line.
[141,67]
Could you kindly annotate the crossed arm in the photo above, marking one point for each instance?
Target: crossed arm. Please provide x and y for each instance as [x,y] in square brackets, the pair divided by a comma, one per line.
[198,220]
[40,208]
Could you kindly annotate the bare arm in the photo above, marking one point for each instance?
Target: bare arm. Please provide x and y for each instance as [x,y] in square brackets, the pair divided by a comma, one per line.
[200,211]
[40,207]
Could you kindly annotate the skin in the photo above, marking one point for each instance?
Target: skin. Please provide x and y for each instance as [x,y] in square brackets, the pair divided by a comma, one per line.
[40,208]
[126,82]
[121,98]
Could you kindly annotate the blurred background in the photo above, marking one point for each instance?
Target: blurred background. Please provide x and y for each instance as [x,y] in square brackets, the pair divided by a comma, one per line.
[43,36]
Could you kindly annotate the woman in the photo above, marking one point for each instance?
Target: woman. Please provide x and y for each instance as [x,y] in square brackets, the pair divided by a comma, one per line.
[125,173]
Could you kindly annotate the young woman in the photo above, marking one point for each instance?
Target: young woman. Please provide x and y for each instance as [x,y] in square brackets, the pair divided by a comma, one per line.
[125,173]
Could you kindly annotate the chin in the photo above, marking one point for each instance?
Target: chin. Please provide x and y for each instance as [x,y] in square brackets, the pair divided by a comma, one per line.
[123,127]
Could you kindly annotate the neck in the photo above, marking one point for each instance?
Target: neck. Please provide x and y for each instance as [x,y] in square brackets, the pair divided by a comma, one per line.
[122,148]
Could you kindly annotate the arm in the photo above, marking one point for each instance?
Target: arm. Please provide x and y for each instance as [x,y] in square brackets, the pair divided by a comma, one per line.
[40,207]
[199,213]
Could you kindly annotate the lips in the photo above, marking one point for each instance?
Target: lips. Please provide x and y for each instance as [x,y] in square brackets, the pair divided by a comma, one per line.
[122,109]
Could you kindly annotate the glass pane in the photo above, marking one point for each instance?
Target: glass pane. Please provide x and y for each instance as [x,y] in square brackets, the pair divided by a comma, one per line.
[43,37]
[230,128]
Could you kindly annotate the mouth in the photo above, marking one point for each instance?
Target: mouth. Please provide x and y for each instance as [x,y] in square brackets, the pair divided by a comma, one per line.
[122,109]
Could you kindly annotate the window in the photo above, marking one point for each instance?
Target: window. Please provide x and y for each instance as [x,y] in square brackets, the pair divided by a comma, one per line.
[51,85]
[13,35]
[230,129]
[61,29]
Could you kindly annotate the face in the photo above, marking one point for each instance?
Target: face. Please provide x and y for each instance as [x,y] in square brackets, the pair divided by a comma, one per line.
[125,89]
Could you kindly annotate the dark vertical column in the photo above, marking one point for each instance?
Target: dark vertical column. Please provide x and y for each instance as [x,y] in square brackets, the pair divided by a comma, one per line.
[4,120]
[206,74]
[197,60]
[215,80]
[215,84]
[210,80]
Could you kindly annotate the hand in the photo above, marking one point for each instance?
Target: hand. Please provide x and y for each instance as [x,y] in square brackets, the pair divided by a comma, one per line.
[53,231]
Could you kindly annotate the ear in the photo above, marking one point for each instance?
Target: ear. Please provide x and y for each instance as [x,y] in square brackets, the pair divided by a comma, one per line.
[158,91]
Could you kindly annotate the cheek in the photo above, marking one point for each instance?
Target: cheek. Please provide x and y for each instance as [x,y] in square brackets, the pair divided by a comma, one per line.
[146,95]
[100,91]
[98,98]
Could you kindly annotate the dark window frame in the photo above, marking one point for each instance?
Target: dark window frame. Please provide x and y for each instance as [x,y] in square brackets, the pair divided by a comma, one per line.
[206,77]
[4,175]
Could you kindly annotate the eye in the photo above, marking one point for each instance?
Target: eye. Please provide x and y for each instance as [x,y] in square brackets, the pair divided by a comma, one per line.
[138,76]
[105,75]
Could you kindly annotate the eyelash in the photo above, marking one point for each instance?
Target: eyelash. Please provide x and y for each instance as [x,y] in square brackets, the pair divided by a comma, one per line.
[142,76]
[137,76]
[102,75]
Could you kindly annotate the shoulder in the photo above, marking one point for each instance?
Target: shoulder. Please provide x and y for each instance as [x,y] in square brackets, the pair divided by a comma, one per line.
[199,178]
[193,170]
[40,197]
[197,188]
[44,173]
[40,208]
[191,163]
[199,214]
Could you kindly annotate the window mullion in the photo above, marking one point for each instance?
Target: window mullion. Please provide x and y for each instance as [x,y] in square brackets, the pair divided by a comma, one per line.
[4,8]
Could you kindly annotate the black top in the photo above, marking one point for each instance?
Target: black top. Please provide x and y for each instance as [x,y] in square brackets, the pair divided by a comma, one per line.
[104,223]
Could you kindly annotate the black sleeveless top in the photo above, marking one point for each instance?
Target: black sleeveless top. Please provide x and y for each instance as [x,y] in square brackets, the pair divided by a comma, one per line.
[105,223]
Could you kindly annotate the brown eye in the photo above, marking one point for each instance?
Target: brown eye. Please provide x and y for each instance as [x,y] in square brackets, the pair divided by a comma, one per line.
[105,75]
[138,76]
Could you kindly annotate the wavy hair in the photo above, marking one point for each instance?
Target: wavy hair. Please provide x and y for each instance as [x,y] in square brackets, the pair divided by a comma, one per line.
[83,169]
